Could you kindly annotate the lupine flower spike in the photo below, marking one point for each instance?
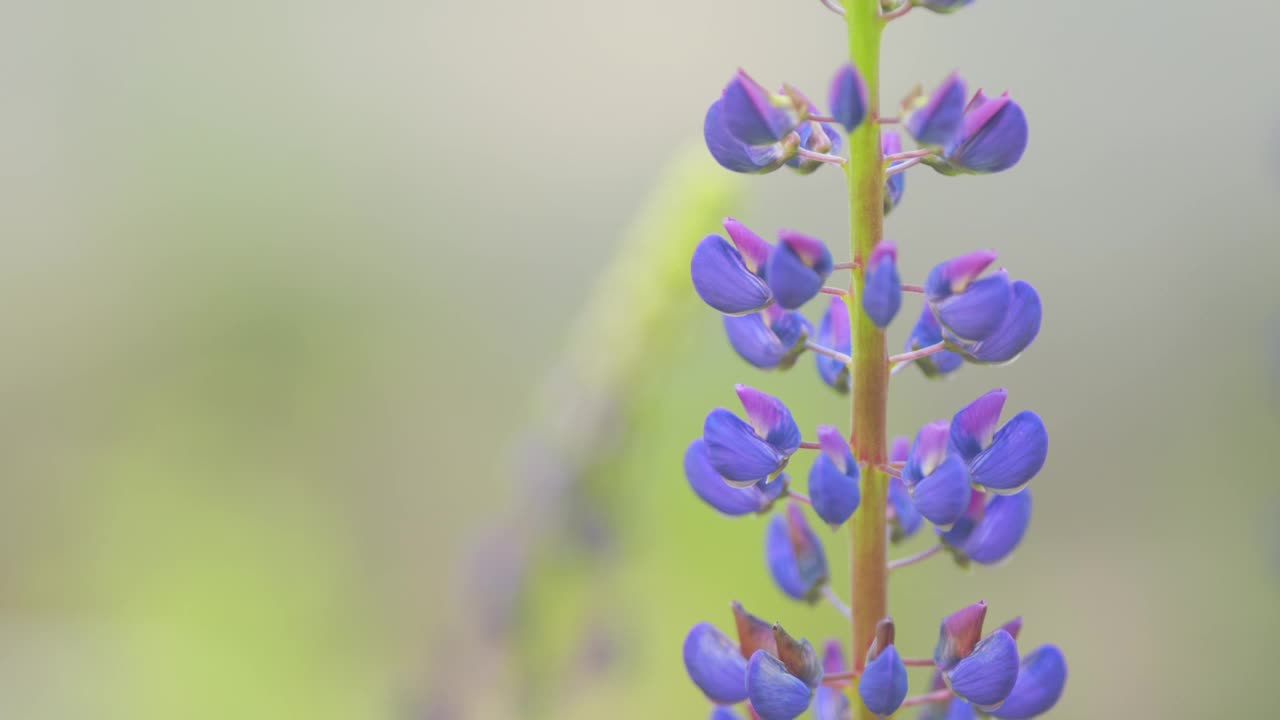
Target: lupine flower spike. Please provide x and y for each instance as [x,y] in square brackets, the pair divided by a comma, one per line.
[966,477]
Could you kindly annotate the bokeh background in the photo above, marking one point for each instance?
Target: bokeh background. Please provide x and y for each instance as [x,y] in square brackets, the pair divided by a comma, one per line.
[348,355]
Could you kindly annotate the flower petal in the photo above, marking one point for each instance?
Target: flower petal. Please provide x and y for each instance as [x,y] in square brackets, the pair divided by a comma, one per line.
[723,281]
[927,452]
[973,427]
[753,633]
[1003,523]
[976,313]
[775,694]
[1041,678]
[733,154]
[896,185]
[755,341]
[794,554]
[928,332]
[848,97]
[882,289]
[1020,327]
[954,275]
[938,119]
[959,634]
[715,665]
[770,418]
[943,495]
[987,676]
[712,488]
[754,249]
[1016,454]
[834,494]
[720,712]
[750,113]
[906,519]
[898,448]
[799,657]
[740,456]
[992,137]
[883,685]
[834,333]
[798,267]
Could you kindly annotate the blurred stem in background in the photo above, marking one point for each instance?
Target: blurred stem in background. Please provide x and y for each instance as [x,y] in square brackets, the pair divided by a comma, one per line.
[555,538]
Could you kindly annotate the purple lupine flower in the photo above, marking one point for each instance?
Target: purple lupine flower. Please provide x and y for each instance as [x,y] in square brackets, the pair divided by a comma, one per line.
[727,276]
[891,144]
[1020,327]
[735,155]
[928,332]
[848,97]
[991,528]
[991,138]
[942,6]
[938,482]
[720,712]
[722,496]
[1041,678]
[831,703]
[715,664]
[987,675]
[771,338]
[937,118]
[833,332]
[754,115]
[958,635]
[1005,460]
[883,684]
[775,693]
[817,137]
[953,708]
[833,479]
[797,268]
[746,452]
[967,307]
[905,520]
[882,288]
[794,554]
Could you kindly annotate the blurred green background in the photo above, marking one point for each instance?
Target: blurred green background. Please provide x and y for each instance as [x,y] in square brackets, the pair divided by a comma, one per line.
[321,400]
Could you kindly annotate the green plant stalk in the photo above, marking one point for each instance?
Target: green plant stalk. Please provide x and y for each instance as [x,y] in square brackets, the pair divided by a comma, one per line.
[869,536]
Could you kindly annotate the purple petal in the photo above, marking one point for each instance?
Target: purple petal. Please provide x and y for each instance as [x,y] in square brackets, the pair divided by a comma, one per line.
[954,275]
[943,7]
[992,137]
[750,113]
[1041,678]
[770,418]
[906,519]
[1013,627]
[1003,523]
[882,289]
[833,658]
[775,694]
[754,249]
[797,268]
[927,452]
[1020,327]
[976,313]
[715,665]
[733,154]
[896,185]
[835,495]
[898,448]
[959,634]
[798,656]
[756,342]
[928,332]
[720,712]
[883,685]
[848,97]
[938,120]
[975,424]
[963,528]
[817,137]
[736,452]
[1015,455]
[723,279]
[987,676]
[794,554]
[943,495]
[753,633]
[831,703]
[834,333]
[712,488]
[835,447]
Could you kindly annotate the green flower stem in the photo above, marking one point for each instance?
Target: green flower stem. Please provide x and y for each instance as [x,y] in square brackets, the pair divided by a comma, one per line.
[869,536]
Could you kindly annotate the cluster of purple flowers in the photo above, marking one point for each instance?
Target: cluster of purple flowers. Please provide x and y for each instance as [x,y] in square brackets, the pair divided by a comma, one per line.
[966,476]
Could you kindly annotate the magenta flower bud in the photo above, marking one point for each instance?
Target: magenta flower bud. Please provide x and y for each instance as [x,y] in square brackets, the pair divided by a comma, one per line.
[942,6]
[882,288]
[735,155]
[714,491]
[715,665]
[958,635]
[848,97]
[891,144]
[833,332]
[833,479]
[799,657]
[798,267]
[991,138]
[986,677]
[883,684]
[753,115]
[928,332]
[753,633]
[794,554]
[772,338]
[1020,327]
[746,452]
[1041,678]
[830,703]
[775,693]
[1003,462]
[936,118]
[723,279]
